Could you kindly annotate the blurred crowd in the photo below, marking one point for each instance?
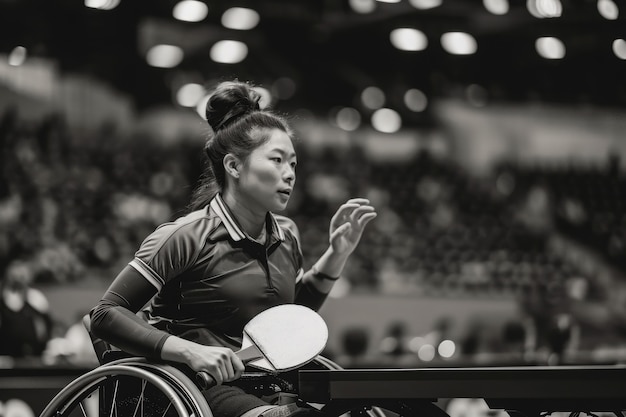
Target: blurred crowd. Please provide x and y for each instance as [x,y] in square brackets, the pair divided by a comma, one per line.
[76,205]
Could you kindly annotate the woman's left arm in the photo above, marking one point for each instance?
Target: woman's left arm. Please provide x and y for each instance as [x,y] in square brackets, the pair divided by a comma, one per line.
[346,228]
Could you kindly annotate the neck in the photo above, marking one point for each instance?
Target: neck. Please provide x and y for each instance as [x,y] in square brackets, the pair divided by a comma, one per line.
[252,221]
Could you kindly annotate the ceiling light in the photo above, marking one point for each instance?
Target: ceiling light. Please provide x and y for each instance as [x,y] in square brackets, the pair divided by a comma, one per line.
[426,353]
[446,348]
[415,100]
[544,8]
[408,39]
[240,18]
[619,48]
[425,4]
[95,4]
[373,97]
[459,43]
[386,120]
[348,119]
[164,56]
[17,56]
[190,11]
[550,47]
[102,4]
[608,9]
[497,7]
[229,52]
[190,94]
[363,6]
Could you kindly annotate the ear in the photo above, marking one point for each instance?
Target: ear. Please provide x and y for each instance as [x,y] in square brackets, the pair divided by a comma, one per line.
[232,165]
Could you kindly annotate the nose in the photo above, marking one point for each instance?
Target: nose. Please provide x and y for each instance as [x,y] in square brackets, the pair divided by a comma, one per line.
[289,174]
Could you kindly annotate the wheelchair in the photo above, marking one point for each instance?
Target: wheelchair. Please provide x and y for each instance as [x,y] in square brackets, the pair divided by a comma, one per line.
[127,386]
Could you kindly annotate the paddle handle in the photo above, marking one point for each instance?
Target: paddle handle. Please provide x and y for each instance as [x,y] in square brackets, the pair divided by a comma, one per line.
[249,354]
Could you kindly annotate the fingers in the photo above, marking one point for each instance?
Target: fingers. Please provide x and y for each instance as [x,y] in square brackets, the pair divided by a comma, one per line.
[228,371]
[341,230]
[358,213]
[358,216]
[216,372]
[237,364]
[366,218]
[343,213]
[347,227]
[230,366]
[352,210]
[222,364]
[359,201]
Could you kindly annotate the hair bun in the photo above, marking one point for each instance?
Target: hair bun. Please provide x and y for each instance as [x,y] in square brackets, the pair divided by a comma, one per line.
[230,101]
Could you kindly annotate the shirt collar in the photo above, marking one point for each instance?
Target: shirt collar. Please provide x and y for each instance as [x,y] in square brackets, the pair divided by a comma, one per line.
[234,230]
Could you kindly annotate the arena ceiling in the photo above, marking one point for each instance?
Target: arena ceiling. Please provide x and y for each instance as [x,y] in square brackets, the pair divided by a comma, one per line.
[332,52]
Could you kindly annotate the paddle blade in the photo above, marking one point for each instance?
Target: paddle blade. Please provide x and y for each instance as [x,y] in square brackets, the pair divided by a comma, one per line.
[288,335]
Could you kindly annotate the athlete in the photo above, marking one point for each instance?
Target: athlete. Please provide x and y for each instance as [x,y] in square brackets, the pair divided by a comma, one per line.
[205,275]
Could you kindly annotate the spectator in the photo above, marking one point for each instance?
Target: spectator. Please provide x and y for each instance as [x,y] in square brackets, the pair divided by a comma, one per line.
[25,323]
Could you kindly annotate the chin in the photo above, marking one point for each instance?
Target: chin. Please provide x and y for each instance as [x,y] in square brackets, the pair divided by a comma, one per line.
[279,206]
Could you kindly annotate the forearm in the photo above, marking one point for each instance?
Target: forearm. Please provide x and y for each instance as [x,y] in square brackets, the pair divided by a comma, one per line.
[126,331]
[114,319]
[325,272]
[176,349]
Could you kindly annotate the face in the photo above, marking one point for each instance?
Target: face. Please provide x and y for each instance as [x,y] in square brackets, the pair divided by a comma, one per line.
[267,177]
[19,277]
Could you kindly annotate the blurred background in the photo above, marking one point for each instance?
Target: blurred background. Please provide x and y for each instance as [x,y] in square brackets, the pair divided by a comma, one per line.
[489,135]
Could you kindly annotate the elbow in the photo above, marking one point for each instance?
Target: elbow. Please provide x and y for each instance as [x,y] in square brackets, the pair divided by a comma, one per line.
[97,317]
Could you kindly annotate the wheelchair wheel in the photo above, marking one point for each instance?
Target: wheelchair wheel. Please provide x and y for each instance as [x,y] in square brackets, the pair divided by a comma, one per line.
[130,387]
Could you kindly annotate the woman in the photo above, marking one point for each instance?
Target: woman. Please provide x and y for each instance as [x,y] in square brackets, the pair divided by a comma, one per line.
[25,321]
[229,259]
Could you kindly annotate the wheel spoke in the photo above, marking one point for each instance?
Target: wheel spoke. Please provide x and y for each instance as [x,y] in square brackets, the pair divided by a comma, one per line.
[127,390]
[114,401]
[167,409]
[82,409]
[140,398]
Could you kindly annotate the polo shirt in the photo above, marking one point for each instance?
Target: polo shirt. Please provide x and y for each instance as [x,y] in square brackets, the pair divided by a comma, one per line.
[212,278]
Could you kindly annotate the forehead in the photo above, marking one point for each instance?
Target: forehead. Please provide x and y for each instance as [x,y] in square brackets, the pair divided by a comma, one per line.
[279,141]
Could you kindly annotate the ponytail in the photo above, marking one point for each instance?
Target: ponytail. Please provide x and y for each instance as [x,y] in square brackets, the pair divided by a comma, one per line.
[233,113]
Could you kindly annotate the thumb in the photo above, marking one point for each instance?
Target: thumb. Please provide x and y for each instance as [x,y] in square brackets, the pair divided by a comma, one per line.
[341,230]
[344,228]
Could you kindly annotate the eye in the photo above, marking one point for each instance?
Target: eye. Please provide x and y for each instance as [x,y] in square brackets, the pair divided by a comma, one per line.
[293,165]
[277,159]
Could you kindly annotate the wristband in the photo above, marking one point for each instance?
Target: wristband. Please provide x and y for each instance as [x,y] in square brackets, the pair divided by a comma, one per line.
[320,275]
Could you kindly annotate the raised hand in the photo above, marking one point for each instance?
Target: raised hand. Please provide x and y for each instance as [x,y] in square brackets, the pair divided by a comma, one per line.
[348,223]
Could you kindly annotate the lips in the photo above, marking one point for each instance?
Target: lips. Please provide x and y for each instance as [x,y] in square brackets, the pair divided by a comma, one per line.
[286,192]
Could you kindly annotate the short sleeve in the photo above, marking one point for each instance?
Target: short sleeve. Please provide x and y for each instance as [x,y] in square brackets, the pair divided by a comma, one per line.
[166,253]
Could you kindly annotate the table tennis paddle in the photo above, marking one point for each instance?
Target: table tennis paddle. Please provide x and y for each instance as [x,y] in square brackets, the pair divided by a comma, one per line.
[279,339]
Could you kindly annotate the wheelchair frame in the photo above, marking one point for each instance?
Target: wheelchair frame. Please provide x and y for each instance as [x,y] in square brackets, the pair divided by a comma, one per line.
[79,398]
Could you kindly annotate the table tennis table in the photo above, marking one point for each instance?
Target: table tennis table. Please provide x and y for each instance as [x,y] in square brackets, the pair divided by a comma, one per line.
[530,391]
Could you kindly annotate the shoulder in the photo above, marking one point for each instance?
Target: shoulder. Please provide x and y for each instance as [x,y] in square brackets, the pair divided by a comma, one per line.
[288,226]
[196,225]
[186,233]
[175,246]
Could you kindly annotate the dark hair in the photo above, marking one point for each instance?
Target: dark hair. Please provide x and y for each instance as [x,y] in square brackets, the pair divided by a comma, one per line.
[239,126]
